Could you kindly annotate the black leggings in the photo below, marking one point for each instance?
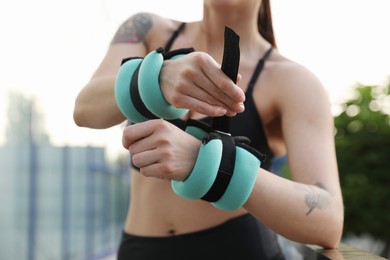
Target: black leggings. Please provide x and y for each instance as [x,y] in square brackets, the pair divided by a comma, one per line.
[239,238]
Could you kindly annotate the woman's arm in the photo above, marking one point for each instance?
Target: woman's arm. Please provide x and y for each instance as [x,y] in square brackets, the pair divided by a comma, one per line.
[300,212]
[215,94]
[309,208]
[95,105]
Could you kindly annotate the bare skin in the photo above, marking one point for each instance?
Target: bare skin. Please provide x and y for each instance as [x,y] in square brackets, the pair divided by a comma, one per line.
[292,103]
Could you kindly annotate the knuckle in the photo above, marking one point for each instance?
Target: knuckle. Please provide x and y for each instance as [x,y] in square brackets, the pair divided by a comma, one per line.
[201,58]
[166,153]
[132,150]
[177,101]
[166,168]
[135,160]
[181,86]
[160,125]
[225,85]
[187,72]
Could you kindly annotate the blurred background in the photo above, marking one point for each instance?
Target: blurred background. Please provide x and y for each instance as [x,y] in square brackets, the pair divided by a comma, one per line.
[64,190]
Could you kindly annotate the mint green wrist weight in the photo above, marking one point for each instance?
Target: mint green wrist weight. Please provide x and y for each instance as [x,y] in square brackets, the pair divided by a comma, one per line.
[149,87]
[137,89]
[122,91]
[198,129]
[203,174]
[214,178]
[242,182]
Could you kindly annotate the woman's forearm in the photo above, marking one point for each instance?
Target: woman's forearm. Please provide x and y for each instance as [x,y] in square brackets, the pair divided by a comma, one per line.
[300,212]
[95,106]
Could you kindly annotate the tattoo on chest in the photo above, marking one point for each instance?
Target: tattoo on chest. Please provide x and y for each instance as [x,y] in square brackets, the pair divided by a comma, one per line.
[133,30]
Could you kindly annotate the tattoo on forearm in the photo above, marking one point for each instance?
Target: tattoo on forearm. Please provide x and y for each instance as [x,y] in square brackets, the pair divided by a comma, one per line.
[133,30]
[313,197]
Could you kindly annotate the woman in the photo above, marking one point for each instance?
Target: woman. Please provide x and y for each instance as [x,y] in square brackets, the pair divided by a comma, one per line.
[286,112]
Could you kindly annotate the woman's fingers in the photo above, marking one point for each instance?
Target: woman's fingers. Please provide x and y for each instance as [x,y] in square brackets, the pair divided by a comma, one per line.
[134,133]
[199,77]
[154,149]
[205,108]
[221,84]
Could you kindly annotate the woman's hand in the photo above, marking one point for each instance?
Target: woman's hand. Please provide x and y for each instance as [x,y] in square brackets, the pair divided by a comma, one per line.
[196,82]
[155,149]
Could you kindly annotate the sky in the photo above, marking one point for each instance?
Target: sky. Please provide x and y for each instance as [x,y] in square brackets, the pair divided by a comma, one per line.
[50,48]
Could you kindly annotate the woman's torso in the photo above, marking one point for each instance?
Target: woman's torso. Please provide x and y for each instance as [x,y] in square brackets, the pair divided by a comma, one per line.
[155,210]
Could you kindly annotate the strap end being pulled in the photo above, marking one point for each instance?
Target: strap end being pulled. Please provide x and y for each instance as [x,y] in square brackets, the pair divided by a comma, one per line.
[230,65]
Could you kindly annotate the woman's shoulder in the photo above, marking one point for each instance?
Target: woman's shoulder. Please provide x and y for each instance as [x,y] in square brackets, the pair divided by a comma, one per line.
[150,20]
[288,73]
[293,83]
[154,29]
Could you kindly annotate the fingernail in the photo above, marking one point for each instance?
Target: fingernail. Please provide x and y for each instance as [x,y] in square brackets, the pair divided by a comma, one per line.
[231,114]
[222,111]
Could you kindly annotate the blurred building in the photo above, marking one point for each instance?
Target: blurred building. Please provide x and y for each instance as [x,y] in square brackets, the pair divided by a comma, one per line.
[57,202]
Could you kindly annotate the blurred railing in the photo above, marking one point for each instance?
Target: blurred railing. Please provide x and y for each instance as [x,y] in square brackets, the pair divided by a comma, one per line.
[343,251]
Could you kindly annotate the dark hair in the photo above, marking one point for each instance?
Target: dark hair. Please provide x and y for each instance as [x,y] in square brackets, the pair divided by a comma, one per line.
[264,22]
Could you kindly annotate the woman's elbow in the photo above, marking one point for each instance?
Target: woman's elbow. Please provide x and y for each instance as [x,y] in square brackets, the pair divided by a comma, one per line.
[334,231]
[78,117]
[84,116]
[96,118]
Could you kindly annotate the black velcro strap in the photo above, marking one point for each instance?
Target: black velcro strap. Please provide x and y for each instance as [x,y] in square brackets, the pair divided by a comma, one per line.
[136,98]
[170,54]
[231,54]
[230,64]
[129,58]
[225,171]
[243,142]
[199,124]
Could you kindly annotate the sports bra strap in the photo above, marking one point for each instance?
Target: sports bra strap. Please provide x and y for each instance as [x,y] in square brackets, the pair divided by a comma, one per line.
[168,46]
[257,71]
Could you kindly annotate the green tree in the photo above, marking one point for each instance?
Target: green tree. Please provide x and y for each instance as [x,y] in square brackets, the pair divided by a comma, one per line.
[363,153]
